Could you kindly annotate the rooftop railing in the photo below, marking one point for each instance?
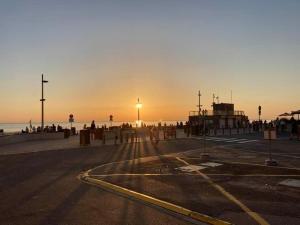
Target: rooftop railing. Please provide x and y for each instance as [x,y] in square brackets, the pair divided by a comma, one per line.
[218,113]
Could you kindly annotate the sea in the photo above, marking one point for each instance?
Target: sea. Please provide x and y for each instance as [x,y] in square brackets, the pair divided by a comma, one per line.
[18,127]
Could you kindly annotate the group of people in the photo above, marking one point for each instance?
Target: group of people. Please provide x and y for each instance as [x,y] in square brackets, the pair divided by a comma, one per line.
[93,125]
[47,129]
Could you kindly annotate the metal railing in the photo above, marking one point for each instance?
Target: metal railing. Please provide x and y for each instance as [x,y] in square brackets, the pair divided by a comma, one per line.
[218,113]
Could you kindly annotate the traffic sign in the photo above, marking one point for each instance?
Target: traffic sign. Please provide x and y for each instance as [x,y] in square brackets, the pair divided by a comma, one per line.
[71,118]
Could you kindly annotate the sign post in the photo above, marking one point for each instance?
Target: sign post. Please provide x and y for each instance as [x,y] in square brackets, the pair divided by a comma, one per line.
[71,119]
[259,112]
[270,135]
[111,118]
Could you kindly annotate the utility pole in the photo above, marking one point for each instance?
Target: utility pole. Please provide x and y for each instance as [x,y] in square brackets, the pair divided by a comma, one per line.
[42,100]
[205,155]
[231,96]
[199,111]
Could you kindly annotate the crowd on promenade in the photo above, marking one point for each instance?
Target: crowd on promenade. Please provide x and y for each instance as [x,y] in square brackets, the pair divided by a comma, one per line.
[282,125]
[47,129]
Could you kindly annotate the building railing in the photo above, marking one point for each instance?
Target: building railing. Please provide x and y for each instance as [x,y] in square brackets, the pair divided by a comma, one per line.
[218,113]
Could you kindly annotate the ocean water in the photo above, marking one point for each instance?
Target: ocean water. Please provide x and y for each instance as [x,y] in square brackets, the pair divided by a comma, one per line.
[17,127]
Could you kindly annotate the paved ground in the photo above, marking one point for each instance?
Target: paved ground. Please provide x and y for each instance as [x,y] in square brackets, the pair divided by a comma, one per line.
[42,187]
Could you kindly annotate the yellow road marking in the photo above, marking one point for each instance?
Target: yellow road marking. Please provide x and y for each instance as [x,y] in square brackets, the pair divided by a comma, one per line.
[208,174]
[157,202]
[251,213]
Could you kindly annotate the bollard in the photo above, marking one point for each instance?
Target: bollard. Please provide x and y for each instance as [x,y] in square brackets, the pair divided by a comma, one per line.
[73,130]
[116,139]
[103,138]
[67,133]
[121,137]
[85,137]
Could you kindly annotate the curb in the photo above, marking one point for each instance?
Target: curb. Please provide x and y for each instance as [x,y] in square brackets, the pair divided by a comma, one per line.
[154,201]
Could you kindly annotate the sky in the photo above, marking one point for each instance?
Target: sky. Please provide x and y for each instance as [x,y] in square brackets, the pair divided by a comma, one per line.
[100,56]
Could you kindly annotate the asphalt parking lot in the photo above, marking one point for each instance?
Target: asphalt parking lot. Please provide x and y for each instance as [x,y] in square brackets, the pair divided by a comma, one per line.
[43,187]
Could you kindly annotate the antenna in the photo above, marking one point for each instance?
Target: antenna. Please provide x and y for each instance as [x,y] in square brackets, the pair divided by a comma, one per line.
[231,96]
[199,106]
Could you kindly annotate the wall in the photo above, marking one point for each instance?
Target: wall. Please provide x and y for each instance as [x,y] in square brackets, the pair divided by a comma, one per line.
[18,138]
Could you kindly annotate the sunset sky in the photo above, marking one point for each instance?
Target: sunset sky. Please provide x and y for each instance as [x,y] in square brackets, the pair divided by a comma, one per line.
[100,56]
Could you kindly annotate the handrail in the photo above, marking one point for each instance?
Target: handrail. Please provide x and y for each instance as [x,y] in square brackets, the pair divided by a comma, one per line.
[218,113]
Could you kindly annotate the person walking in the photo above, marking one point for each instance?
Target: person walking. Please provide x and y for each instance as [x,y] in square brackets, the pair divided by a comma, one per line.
[93,127]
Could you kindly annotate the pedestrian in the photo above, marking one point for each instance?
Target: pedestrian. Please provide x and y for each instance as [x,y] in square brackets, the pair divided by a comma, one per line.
[294,130]
[93,127]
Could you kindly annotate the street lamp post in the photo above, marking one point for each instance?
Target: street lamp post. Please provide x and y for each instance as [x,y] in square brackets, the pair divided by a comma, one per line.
[205,155]
[42,100]
[199,111]
[138,106]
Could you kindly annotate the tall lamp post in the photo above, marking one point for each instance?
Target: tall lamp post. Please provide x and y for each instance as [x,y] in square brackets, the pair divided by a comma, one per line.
[138,106]
[42,100]
[205,155]
[199,111]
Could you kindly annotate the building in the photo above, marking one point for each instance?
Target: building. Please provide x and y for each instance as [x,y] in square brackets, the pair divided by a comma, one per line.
[223,115]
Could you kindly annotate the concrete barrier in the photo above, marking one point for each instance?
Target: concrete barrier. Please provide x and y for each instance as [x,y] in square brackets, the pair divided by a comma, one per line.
[19,138]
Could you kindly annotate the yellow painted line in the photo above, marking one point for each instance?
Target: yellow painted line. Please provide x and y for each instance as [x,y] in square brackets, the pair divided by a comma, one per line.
[229,196]
[208,174]
[154,201]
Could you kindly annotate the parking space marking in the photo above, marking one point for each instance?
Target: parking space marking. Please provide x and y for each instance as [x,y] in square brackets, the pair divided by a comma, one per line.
[236,140]
[227,140]
[229,196]
[242,142]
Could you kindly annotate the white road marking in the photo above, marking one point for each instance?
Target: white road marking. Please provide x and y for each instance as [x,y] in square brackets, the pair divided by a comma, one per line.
[237,140]
[228,140]
[248,141]
[258,218]
[291,183]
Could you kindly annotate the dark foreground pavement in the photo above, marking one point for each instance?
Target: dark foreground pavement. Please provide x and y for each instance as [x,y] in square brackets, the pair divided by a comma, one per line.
[42,188]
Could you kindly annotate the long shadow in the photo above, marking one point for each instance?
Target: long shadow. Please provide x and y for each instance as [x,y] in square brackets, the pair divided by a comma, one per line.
[124,215]
[46,185]
[25,172]
[58,214]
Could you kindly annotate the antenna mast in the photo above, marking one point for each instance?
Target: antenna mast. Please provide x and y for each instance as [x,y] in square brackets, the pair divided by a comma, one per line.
[199,105]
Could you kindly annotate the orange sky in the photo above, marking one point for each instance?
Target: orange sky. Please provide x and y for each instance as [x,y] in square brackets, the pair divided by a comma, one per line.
[101,56]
